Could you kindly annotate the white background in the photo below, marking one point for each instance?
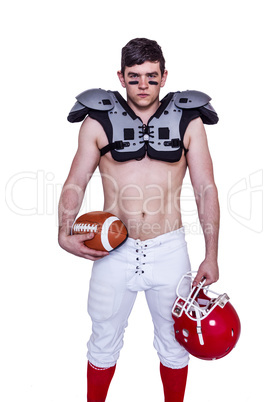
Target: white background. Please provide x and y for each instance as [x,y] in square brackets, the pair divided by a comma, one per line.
[52,51]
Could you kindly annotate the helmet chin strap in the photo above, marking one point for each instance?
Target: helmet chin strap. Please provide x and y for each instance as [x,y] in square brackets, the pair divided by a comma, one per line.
[193,305]
[198,326]
[198,315]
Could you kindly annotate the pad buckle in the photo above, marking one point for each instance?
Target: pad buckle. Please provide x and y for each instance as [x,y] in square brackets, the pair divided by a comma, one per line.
[174,143]
[121,144]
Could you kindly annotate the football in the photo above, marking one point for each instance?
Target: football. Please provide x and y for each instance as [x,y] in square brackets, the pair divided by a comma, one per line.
[109,231]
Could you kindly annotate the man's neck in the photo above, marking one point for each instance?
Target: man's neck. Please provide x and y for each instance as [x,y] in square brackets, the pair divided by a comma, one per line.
[144,112]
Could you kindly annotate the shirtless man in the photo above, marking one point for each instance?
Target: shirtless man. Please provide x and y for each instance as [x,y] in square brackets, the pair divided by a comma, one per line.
[144,193]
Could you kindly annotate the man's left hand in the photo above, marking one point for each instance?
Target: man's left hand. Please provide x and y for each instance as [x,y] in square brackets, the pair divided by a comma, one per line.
[209,270]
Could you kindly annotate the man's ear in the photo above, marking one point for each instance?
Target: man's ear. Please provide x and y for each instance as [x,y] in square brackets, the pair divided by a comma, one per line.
[164,78]
[121,78]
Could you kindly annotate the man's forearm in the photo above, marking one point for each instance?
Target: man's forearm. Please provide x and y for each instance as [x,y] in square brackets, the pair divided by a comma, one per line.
[69,205]
[209,216]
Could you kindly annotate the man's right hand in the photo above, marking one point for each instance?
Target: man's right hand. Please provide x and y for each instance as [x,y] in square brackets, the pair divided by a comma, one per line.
[74,244]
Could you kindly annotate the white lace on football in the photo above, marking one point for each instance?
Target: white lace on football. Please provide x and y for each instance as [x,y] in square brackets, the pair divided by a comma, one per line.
[85,227]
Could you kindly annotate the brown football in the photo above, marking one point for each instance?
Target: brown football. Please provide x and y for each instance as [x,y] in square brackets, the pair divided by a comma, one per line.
[109,231]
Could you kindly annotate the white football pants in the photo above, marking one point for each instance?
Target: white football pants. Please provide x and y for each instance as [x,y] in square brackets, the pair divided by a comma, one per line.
[154,266]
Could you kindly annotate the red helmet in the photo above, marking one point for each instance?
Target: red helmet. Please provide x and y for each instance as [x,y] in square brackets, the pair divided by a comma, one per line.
[207,327]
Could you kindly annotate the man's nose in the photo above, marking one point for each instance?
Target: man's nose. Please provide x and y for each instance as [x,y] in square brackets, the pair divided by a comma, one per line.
[143,82]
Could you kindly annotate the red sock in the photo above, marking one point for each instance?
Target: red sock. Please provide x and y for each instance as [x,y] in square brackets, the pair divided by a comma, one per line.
[98,381]
[174,383]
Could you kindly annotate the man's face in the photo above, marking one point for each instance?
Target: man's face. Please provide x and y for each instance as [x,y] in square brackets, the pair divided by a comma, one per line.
[143,83]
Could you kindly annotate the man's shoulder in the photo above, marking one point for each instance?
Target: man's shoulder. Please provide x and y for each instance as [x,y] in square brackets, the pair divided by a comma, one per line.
[91,127]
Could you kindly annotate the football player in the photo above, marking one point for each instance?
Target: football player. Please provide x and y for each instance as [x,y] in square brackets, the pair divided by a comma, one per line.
[142,147]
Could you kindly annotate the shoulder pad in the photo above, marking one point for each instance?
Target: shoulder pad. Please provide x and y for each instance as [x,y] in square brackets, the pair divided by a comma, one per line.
[191,99]
[96,99]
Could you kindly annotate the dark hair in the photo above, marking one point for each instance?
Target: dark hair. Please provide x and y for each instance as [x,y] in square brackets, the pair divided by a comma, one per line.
[139,50]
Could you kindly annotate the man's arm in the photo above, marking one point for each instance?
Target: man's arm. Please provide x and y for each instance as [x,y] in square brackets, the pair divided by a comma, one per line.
[83,166]
[206,194]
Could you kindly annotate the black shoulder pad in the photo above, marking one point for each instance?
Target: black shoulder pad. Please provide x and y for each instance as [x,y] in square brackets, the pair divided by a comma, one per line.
[197,100]
[96,99]
[191,99]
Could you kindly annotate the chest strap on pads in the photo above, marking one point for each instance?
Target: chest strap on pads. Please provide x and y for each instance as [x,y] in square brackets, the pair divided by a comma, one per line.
[114,145]
[174,143]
